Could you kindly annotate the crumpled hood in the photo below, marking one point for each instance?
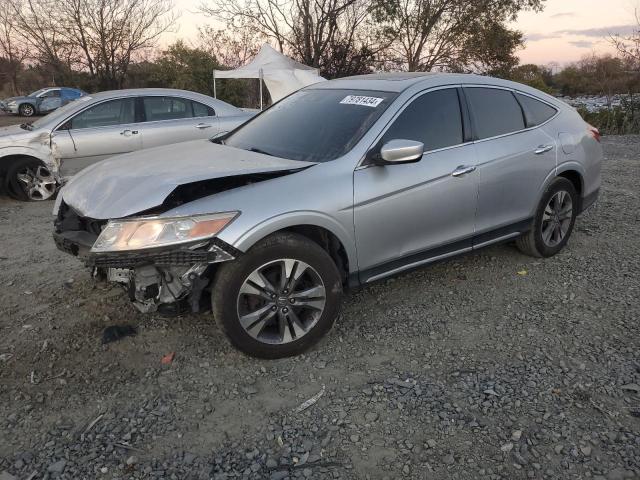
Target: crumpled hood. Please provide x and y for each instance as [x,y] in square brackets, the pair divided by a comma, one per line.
[127,184]
[17,99]
[9,134]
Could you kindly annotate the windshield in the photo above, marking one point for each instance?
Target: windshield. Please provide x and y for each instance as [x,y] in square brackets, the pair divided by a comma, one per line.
[38,92]
[312,125]
[60,112]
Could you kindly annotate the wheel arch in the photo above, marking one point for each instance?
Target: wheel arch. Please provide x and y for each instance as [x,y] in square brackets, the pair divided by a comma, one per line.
[323,230]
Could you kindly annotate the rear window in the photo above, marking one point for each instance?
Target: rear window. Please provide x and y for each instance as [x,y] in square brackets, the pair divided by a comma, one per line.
[494,111]
[166,108]
[535,111]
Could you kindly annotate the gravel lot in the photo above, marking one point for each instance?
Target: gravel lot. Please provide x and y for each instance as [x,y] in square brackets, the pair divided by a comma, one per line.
[490,366]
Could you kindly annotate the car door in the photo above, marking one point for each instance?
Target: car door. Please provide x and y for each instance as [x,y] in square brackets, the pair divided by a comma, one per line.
[49,100]
[514,159]
[100,131]
[409,214]
[171,119]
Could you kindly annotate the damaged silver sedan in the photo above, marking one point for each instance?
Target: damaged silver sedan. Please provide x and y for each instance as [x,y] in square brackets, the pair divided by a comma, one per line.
[37,157]
[338,185]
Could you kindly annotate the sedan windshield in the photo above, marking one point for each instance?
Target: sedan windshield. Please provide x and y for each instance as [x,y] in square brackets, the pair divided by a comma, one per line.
[38,92]
[316,125]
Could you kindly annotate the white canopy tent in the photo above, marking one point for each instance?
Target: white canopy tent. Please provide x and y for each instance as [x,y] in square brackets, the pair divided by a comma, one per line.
[282,75]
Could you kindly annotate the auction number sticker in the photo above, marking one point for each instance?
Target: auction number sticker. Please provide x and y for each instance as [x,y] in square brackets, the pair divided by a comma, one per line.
[362,100]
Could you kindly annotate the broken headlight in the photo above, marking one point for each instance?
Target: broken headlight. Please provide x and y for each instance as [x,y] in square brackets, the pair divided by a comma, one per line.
[142,233]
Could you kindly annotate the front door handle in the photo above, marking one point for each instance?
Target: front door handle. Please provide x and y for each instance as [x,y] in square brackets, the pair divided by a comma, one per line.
[543,149]
[462,170]
[202,126]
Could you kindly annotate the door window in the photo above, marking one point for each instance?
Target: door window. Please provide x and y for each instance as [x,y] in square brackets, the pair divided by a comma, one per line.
[433,119]
[495,112]
[535,111]
[200,110]
[113,112]
[50,93]
[166,108]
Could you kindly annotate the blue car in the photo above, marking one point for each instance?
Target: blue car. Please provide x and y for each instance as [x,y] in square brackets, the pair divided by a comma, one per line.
[41,101]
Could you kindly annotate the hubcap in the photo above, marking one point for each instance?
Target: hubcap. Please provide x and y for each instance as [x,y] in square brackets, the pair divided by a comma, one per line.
[556,218]
[37,184]
[27,110]
[281,301]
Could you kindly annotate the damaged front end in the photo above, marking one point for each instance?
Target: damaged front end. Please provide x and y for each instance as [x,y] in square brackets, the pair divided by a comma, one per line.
[165,264]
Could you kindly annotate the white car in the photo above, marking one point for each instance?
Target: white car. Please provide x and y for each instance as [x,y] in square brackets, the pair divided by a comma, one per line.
[36,157]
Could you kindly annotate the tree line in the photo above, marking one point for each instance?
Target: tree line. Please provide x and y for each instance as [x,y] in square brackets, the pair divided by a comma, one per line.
[107,44]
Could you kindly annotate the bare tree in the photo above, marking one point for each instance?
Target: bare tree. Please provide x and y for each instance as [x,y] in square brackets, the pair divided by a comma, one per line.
[628,46]
[230,49]
[12,50]
[310,30]
[439,34]
[110,33]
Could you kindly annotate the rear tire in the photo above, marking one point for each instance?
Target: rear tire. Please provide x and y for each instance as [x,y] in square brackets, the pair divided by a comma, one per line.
[268,317]
[554,220]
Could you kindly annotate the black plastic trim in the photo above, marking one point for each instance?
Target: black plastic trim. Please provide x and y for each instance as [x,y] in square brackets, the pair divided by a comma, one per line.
[589,200]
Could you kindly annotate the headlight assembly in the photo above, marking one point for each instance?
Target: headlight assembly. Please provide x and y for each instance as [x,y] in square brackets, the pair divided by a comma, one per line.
[142,233]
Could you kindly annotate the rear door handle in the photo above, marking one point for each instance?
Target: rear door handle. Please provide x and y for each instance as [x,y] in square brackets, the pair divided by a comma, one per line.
[543,149]
[462,170]
[202,126]
[128,132]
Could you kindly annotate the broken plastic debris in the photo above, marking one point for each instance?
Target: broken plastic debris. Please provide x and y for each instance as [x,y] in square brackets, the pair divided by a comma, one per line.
[303,406]
[116,332]
[522,272]
[168,358]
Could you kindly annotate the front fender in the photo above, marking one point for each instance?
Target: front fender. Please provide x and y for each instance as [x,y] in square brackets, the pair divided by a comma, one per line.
[39,151]
[246,240]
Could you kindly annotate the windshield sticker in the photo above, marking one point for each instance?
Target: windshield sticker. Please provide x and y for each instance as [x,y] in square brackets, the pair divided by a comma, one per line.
[361,100]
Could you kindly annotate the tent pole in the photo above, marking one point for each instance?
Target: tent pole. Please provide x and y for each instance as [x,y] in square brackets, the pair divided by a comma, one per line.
[260,89]
[214,85]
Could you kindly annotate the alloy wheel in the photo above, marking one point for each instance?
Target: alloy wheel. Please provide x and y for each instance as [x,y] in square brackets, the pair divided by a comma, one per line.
[27,110]
[37,183]
[281,301]
[556,219]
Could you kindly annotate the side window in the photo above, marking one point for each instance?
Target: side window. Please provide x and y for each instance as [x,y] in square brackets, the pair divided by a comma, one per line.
[50,93]
[200,110]
[495,112]
[535,111]
[113,112]
[166,108]
[433,119]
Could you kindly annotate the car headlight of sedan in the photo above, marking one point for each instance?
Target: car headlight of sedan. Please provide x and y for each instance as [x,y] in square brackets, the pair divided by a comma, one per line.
[11,104]
[142,233]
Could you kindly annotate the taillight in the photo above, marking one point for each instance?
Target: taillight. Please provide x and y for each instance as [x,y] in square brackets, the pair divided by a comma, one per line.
[595,133]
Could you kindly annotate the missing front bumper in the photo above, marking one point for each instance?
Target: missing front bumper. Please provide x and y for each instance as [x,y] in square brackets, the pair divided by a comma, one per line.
[170,279]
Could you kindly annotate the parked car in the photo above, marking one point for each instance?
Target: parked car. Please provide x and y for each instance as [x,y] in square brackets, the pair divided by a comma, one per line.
[339,185]
[41,101]
[37,157]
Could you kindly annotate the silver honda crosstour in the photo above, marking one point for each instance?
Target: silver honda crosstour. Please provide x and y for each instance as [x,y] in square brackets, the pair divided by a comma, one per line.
[338,185]
[36,157]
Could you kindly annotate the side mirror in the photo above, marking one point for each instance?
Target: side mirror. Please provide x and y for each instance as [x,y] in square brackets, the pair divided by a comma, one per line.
[401,151]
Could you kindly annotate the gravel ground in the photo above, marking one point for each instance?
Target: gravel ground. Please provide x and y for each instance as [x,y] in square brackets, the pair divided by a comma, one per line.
[491,366]
[6,120]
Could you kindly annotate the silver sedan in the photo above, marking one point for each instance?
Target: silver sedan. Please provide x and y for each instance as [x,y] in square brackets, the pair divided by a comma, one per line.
[36,157]
[339,185]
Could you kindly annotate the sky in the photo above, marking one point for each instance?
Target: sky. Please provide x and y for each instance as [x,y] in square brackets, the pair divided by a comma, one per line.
[565,31]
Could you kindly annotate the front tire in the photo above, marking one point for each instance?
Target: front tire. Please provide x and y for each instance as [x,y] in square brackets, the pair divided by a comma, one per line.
[553,222]
[279,298]
[27,110]
[29,180]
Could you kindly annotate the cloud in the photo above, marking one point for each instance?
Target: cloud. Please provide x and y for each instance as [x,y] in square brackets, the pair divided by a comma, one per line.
[581,43]
[601,31]
[563,14]
[536,37]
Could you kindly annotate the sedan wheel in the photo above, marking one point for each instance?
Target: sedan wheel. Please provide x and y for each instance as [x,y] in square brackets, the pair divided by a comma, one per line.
[552,226]
[557,218]
[278,298]
[281,301]
[27,110]
[29,180]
